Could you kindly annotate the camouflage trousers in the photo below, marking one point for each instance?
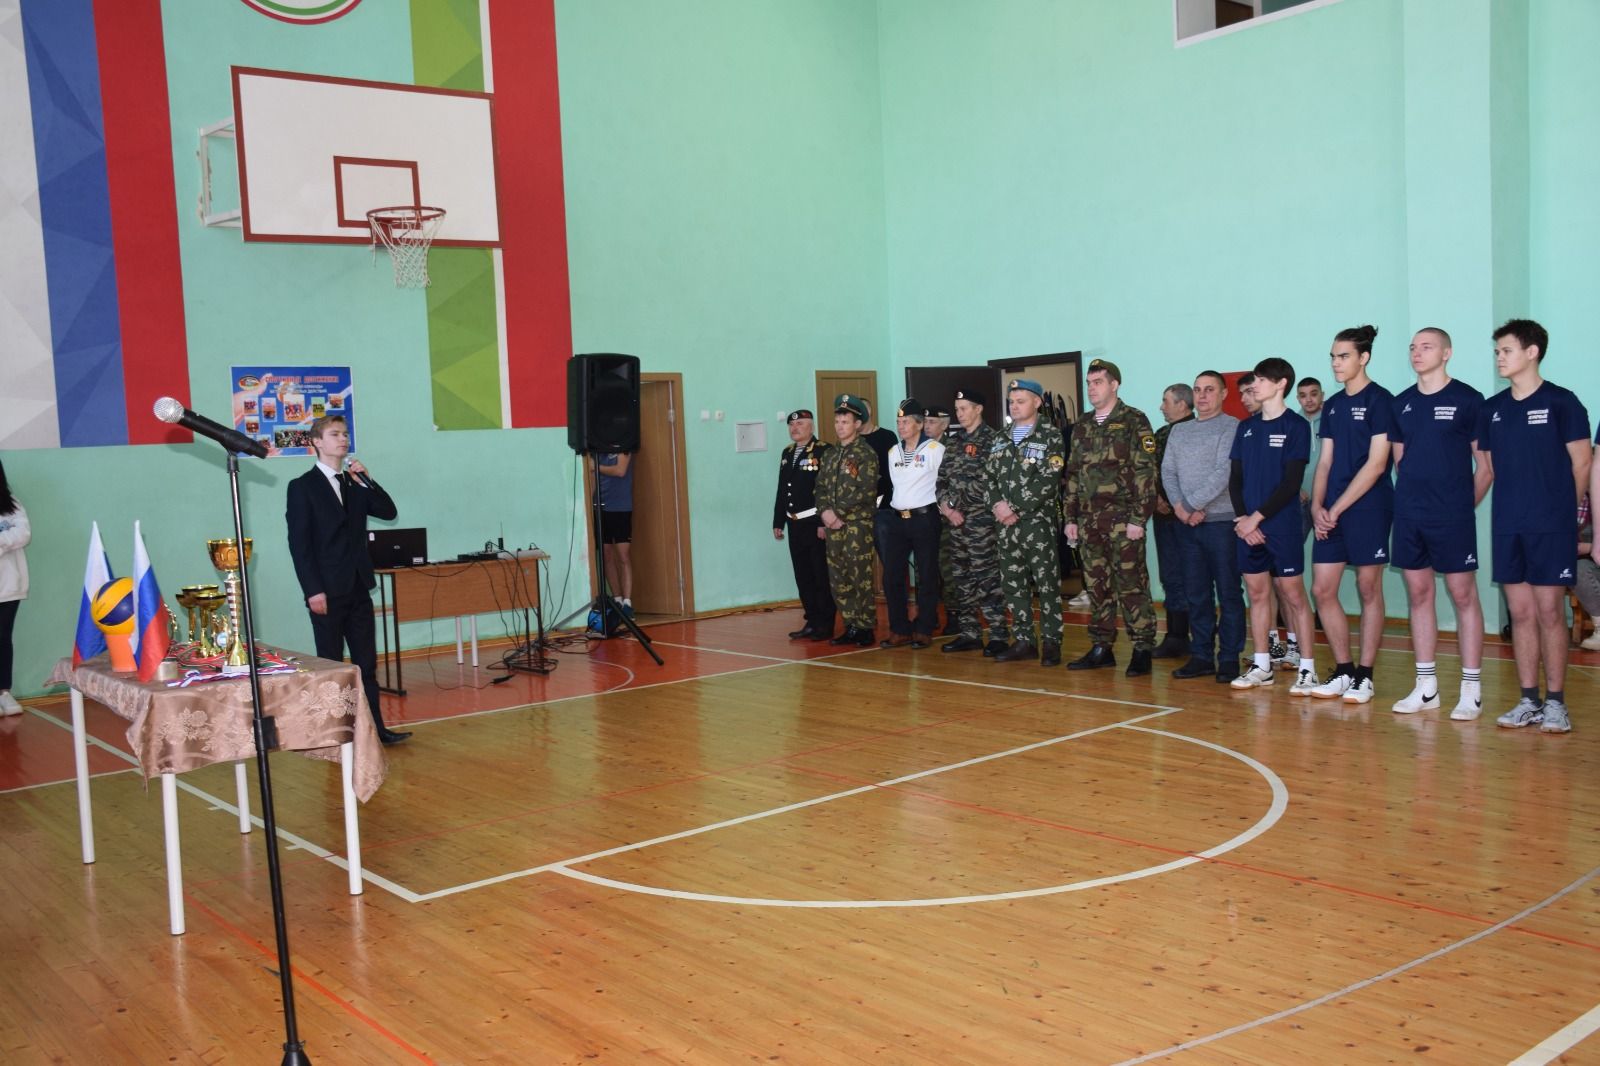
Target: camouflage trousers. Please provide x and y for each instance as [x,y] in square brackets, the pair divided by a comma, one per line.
[1115,575]
[1029,557]
[850,572]
[974,585]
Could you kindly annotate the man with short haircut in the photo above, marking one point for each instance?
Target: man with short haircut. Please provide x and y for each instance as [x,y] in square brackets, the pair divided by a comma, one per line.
[1110,495]
[1309,394]
[1268,459]
[795,510]
[1439,481]
[974,595]
[912,529]
[1247,393]
[326,515]
[1195,473]
[1177,405]
[1540,431]
[1024,472]
[1280,652]
[847,491]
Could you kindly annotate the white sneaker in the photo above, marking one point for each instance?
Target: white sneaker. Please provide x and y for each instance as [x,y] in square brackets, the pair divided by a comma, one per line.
[1305,681]
[1420,699]
[1593,641]
[1081,600]
[9,705]
[1361,692]
[1334,688]
[1525,713]
[1556,719]
[1469,706]
[1255,677]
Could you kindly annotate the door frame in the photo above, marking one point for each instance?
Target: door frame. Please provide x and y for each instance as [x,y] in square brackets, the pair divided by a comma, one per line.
[686,540]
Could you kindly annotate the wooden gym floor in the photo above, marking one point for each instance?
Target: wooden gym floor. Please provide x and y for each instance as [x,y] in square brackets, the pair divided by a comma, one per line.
[785,853]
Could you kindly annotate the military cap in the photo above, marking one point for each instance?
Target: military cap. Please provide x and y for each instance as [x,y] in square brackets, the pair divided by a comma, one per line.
[935,411]
[795,416]
[1109,367]
[1026,385]
[911,407]
[847,404]
[971,396]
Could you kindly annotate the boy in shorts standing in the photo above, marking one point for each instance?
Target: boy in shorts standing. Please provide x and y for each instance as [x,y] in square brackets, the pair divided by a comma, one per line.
[1270,451]
[1540,431]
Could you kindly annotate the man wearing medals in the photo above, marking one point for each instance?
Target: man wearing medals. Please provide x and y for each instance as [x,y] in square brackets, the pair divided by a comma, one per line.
[1024,470]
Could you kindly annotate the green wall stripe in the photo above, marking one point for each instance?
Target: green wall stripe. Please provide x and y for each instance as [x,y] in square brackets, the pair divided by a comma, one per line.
[463,332]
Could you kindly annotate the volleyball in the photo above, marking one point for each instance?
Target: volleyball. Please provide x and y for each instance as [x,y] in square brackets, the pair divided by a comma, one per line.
[113,606]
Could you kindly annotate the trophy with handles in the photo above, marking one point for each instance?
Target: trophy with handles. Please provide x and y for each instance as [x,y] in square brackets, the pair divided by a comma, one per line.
[226,557]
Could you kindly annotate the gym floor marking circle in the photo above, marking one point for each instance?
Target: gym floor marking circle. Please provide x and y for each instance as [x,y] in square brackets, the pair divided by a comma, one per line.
[1275,810]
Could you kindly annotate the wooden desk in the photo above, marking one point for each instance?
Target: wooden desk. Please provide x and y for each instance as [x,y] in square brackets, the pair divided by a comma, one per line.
[458,590]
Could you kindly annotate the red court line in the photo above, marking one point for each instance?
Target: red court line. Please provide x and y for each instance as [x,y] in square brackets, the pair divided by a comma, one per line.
[301,977]
[1181,852]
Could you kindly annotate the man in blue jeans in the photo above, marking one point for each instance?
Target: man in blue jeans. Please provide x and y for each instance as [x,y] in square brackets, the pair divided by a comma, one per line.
[1194,473]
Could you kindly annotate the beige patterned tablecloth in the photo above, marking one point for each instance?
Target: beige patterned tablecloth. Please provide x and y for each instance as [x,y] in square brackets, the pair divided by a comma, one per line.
[173,730]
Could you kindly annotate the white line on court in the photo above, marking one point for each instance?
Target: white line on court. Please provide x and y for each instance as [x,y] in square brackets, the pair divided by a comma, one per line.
[1561,1041]
[1368,982]
[1280,803]
[562,866]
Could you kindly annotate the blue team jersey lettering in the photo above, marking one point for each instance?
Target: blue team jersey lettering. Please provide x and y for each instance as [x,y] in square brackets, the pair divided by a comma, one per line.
[1264,449]
[1351,422]
[1527,441]
[1433,479]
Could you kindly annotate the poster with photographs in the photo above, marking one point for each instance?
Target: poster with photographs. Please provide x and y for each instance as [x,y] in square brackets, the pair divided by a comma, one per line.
[277,404]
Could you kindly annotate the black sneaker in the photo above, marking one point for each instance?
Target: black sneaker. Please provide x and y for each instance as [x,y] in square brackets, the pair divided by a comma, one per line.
[1195,668]
[1226,672]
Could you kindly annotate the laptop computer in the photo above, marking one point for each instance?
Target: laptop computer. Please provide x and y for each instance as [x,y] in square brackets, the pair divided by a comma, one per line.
[389,548]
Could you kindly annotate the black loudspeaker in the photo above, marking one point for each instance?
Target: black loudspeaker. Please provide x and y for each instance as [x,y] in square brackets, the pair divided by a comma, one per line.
[603,403]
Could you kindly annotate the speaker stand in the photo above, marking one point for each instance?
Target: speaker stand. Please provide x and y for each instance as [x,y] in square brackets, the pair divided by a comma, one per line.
[603,600]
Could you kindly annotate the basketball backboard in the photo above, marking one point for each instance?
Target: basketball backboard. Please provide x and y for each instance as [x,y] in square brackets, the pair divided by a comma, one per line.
[316,153]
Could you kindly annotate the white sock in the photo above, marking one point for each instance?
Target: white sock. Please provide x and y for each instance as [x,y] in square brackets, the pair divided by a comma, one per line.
[1427,679]
[1292,638]
[1308,663]
[1263,660]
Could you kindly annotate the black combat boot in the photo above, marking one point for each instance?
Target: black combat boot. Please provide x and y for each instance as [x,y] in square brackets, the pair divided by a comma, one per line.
[1175,645]
[1050,653]
[1096,657]
[1017,652]
[1139,665]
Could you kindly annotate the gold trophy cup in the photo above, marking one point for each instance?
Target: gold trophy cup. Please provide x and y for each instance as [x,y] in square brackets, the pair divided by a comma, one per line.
[202,601]
[226,558]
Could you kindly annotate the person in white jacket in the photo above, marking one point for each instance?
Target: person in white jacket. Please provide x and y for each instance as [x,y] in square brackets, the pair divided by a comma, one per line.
[14,537]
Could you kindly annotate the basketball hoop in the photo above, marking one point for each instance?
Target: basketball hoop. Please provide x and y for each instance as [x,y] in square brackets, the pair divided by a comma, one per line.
[408,233]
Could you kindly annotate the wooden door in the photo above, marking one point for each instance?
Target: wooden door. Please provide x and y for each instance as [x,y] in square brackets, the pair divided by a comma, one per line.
[663,579]
[831,383]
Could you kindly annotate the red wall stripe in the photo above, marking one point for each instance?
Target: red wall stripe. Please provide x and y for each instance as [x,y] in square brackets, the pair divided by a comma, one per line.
[144,213]
[533,217]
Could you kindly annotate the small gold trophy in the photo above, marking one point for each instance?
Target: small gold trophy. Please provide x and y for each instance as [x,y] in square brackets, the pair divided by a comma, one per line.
[225,557]
[196,600]
[211,601]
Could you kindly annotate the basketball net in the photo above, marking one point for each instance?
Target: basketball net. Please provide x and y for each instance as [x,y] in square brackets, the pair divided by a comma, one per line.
[407,232]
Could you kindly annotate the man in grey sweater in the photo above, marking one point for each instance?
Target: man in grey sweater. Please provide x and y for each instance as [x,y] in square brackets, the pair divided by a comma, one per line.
[1194,473]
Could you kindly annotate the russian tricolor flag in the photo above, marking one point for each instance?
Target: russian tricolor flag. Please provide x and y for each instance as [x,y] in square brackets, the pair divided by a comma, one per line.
[152,635]
[89,641]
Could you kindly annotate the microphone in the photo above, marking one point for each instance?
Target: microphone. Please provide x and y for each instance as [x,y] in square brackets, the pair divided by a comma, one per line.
[169,410]
[355,476]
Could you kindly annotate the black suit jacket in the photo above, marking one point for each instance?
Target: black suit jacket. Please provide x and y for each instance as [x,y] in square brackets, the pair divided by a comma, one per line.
[328,539]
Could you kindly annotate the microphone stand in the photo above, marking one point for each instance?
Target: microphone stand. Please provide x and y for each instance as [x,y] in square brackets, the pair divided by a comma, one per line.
[266,735]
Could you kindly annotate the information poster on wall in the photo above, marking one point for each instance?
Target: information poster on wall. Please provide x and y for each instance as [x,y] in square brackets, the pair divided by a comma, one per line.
[277,404]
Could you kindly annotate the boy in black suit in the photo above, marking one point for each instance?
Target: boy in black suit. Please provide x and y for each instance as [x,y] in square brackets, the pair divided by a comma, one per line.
[327,517]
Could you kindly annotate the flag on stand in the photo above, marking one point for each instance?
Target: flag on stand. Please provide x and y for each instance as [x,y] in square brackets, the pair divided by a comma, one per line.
[89,641]
[152,634]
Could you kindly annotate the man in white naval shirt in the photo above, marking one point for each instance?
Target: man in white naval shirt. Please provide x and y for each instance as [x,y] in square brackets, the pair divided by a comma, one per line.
[911,526]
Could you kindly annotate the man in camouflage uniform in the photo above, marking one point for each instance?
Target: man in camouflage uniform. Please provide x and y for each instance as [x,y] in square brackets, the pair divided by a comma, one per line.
[847,492]
[974,582]
[1024,471]
[1110,495]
